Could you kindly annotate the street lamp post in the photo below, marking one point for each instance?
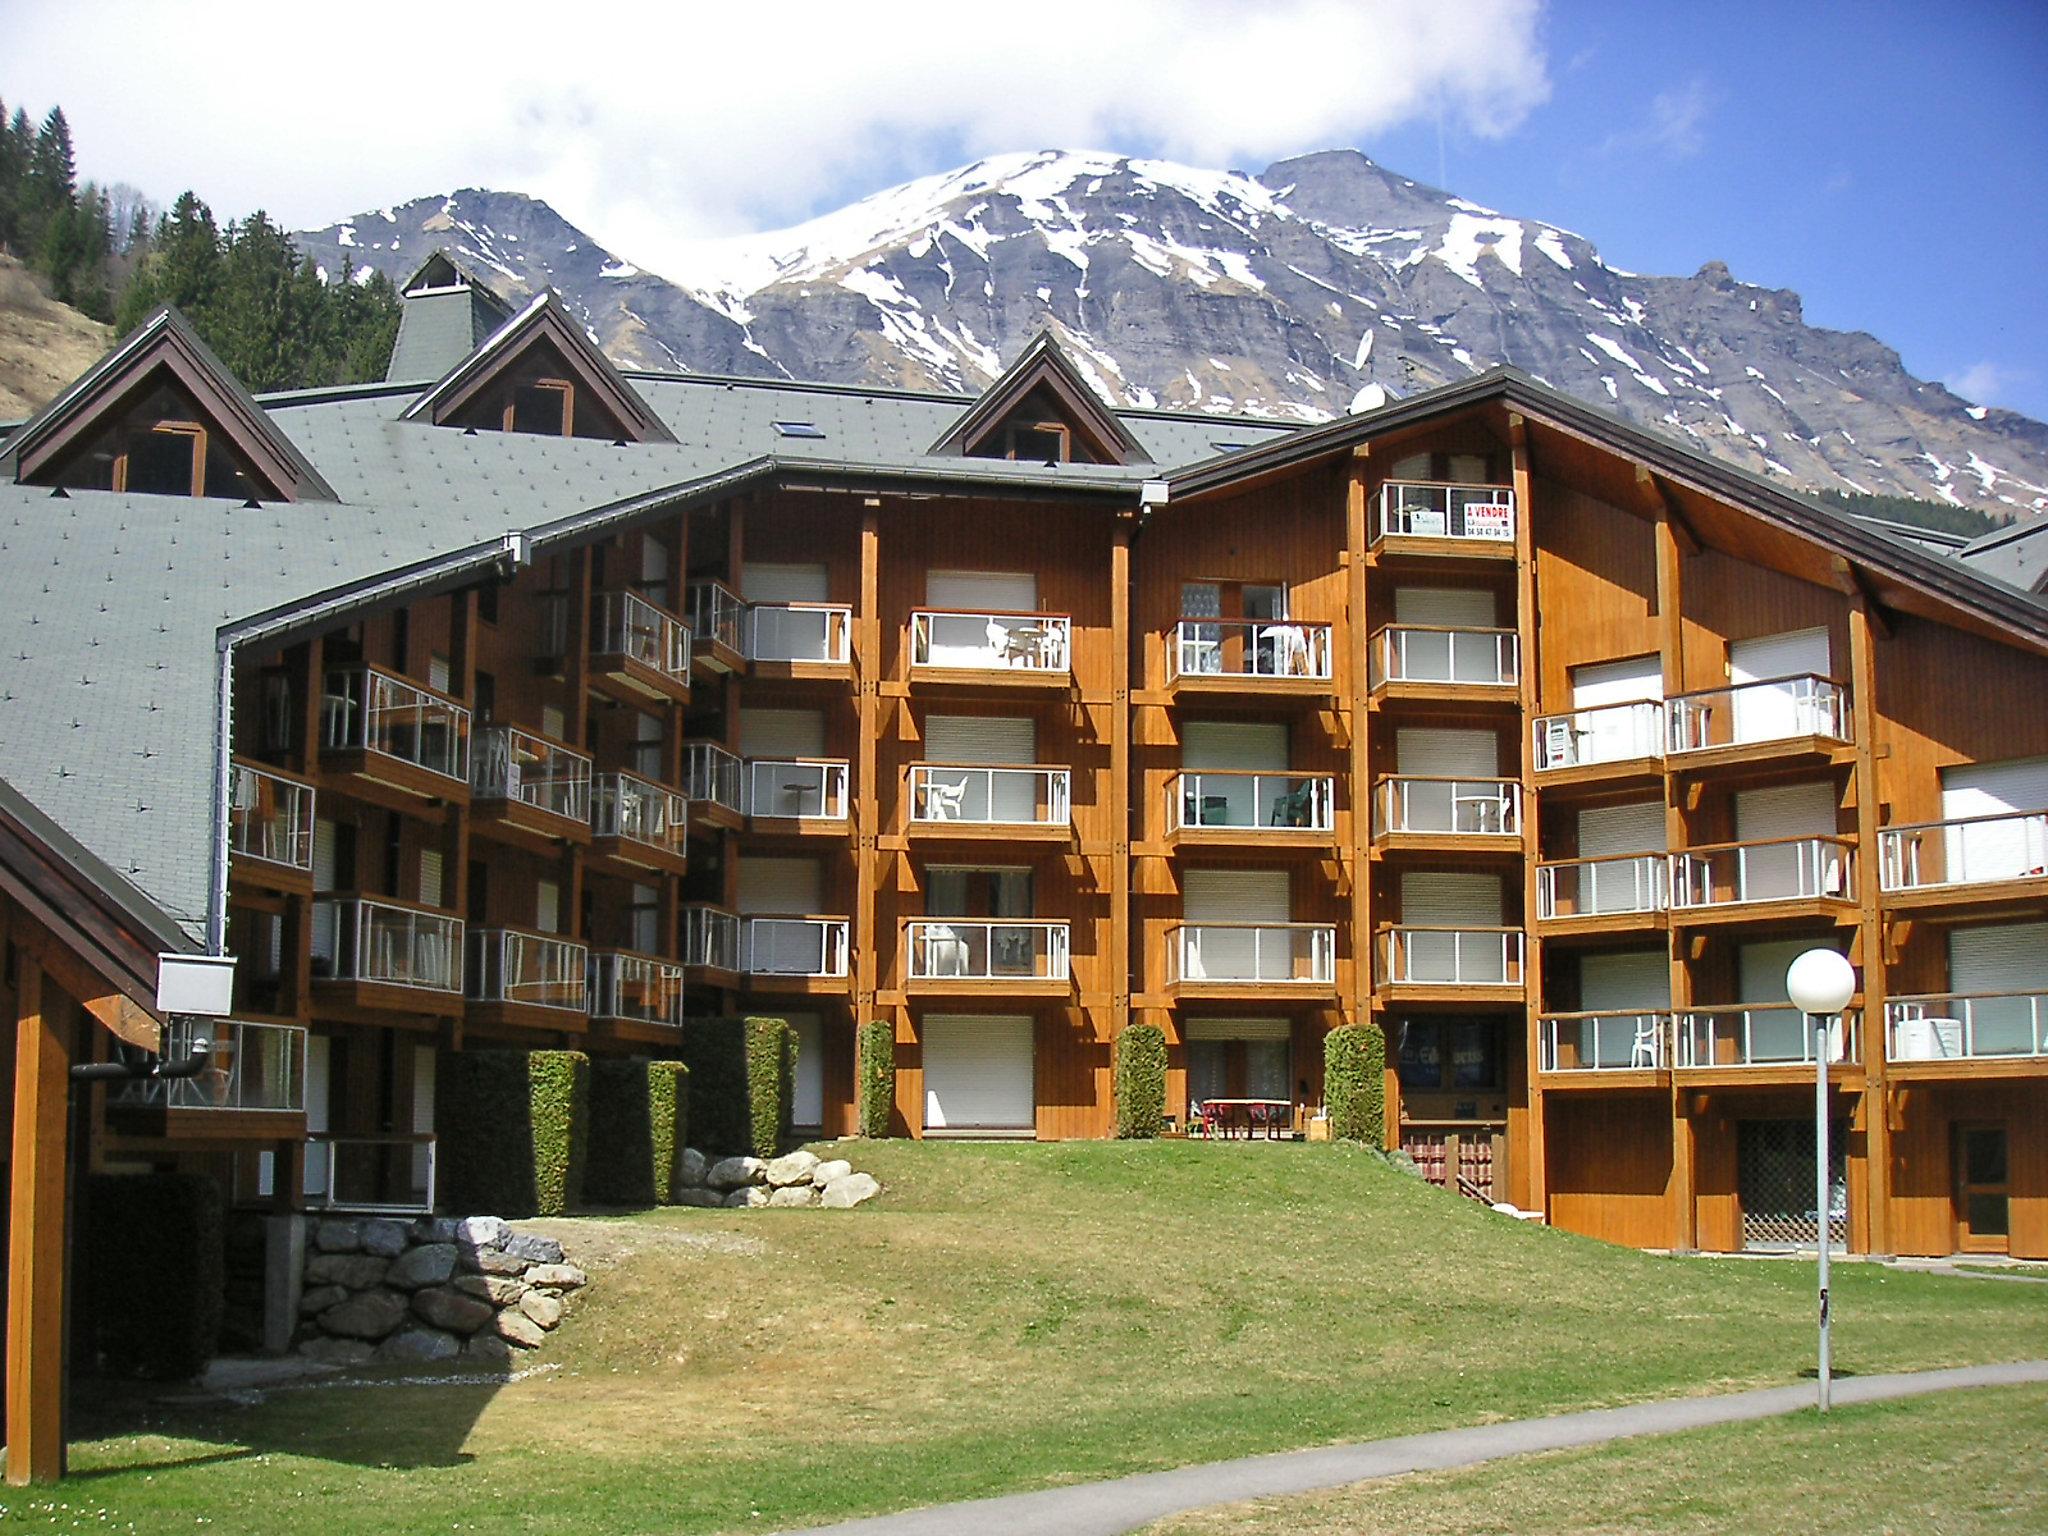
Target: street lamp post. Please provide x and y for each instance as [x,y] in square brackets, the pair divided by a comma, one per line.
[1820,984]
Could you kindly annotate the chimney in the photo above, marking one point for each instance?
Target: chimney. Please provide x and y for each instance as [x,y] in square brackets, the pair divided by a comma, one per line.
[445,315]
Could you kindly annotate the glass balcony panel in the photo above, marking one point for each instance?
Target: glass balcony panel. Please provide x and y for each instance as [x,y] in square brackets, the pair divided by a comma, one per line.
[1605,1041]
[716,614]
[271,818]
[711,938]
[641,989]
[1273,648]
[365,709]
[370,1173]
[1780,869]
[626,624]
[1411,653]
[1259,953]
[1430,510]
[1224,800]
[1436,956]
[511,764]
[1759,1036]
[1603,887]
[1450,807]
[1968,850]
[802,791]
[1779,709]
[250,1066]
[1968,1027]
[627,806]
[532,970]
[959,948]
[714,775]
[991,642]
[795,946]
[369,939]
[809,632]
[1612,733]
[997,796]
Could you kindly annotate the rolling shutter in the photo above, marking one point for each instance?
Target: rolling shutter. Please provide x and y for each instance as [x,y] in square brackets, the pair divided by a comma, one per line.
[982,591]
[978,1072]
[2008,957]
[1761,966]
[807,1109]
[1634,979]
[1436,753]
[431,887]
[1256,746]
[1770,714]
[1445,607]
[1787,655]
[1235,896]
[765,583]
[792,887]
[1996,850]
[776,734]
[1617,682]
[319,1060]
[1002,740]
[1611,831]
[1441,898]
[1237,1029]
[1785,870]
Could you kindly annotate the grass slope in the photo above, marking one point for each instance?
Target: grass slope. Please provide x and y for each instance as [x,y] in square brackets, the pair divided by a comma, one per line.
[1014,1316]
[44,345]
[1957,1463]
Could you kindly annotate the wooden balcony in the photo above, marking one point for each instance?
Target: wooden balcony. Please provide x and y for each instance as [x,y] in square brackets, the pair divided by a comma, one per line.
[1443,520]
[386,739]
[1423,963]
[636,996]
[1266,659]
[1627,894]
[1256,962]
[1427,814]
[516,978]
[956,650]
[715,783]
[718,626]
[528,791]
[1780,721]
[1230,808]
[804,797]
[1611,746]
[807,955]
[638,828]
[978,803]
[1970,863]
[1763,1043]
[986,959]
[252,1088]
[1605,1049]
[711,946]
[1433,664]
[801,642]
[270,828]
[639,653]
[1950,1035]
[378,955]
[1765,882]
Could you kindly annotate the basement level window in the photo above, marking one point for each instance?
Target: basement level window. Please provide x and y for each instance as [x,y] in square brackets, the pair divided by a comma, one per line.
[798,429]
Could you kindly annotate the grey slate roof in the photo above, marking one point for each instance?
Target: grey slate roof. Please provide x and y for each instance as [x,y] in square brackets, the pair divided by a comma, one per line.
[2017,553]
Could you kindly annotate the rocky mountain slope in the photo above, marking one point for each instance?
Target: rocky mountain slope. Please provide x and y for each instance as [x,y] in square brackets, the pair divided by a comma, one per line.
[1324,284]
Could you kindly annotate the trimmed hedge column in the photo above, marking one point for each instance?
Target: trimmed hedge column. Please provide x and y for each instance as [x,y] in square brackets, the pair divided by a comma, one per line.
[771,1085]
[1355,1082]
[153,1266]
[742,1084]
[1140,1082]
[875,1077]
[514,1130]
[636,1114]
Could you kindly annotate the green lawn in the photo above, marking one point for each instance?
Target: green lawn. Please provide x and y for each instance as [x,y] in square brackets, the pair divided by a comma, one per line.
[1953,1464]
[1006,1317]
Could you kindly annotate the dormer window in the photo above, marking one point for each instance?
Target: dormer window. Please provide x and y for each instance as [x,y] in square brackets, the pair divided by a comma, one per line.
[1041,442]
[1042,411]
[537,398]
[159,448]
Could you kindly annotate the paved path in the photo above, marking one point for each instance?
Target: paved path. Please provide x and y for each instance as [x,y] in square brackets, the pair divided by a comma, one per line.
[1126,1503]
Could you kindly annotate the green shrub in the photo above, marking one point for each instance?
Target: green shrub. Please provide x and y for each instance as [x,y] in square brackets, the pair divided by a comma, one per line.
[514,1131]
[153,1270]
[1355,1082]
[635,1120]
[1140,1082]
[771,1085]
[875,1075]
[742,1084]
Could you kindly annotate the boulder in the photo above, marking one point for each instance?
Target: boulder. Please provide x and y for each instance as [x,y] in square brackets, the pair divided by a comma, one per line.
[562,1277]
[320,1297]
[487,1349]
[450,1309]
[825,1173]
[844,1193]
[481,1231]
[533,1249]
[795,1168]
[432,1264]
[435,1229]
[370,1315]
[515,1327]
[691,1168]
[498,1290]
[386,1239]
[420,1345]
[357,1271]
[747,1199]
[545,1310]
[793,1195]
[338,1237]
[343,1352]
[492,1261]
[699,1197]
[736,1172]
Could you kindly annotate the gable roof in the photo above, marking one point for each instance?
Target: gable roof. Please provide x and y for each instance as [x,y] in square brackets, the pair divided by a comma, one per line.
[546,320]
[167,341]
[1042,365]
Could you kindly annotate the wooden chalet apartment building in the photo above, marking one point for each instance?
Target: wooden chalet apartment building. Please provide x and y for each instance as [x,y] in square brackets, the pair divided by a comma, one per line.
[517,702]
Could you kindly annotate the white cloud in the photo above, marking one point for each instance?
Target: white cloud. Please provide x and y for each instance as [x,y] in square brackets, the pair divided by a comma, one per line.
[1675,126]
[654,124]
[1989,383]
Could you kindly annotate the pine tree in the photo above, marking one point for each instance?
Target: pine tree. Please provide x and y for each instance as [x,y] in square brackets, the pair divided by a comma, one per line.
[52,180]
[183,266]
[13,167]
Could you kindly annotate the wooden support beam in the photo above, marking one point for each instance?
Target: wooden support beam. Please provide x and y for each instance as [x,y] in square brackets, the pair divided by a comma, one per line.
[1683,1197]
[1852,581]
[35,1253]
[1120,775]
[1358,845]
[1876,983]
[867,672]
[1657,501]
[1534,1182]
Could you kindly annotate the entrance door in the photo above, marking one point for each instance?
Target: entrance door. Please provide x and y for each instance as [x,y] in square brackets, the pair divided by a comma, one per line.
[1983,1190]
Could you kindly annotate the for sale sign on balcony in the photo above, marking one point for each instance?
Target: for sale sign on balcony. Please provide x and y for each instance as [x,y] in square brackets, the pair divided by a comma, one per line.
[1489,520]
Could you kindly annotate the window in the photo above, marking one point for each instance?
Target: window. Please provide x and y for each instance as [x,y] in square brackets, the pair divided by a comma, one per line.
[798,429]
[1038,442]
[546,406]
[1449,1053]
[978,893]
[160,447]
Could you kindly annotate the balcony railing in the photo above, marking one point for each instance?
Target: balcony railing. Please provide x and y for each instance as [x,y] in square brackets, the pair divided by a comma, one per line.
[391,943]
[639,810]
[626,624]
[1603,887]
[530,970]
[1976,1026]
[1280,954]
[1778,710]
[1010,797]
[1968,850]
[511,764]
[713,775]
[821,633]
[1453,658]
[961,949]
[1607,1040]
[1610,733]
[1264,648]
[1225,799]
[1768,1036]
[1447,807]
[800,790]
[717,615]
[370,1173]
[991,642]
[271,818]
[367,709]
[639,989]
[1440,510]
[1429,955]
[250,1066]
[711,938]
[794,946]
[1777,869]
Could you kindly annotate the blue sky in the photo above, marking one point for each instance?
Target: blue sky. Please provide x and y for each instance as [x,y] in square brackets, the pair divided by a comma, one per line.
[1886,160]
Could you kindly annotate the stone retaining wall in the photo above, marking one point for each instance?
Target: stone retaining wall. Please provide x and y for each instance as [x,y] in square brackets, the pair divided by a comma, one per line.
[434,1289]
[797,1179]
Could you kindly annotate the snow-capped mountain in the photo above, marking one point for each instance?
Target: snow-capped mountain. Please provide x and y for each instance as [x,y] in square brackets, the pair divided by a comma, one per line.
[1321,285]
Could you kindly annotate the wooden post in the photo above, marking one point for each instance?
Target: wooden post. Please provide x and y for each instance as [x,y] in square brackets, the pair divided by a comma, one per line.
[867,669]
[1120,777]
[1877,1143]
[1353,710]
[1671,645]
[36,1219]
[1535,1180]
